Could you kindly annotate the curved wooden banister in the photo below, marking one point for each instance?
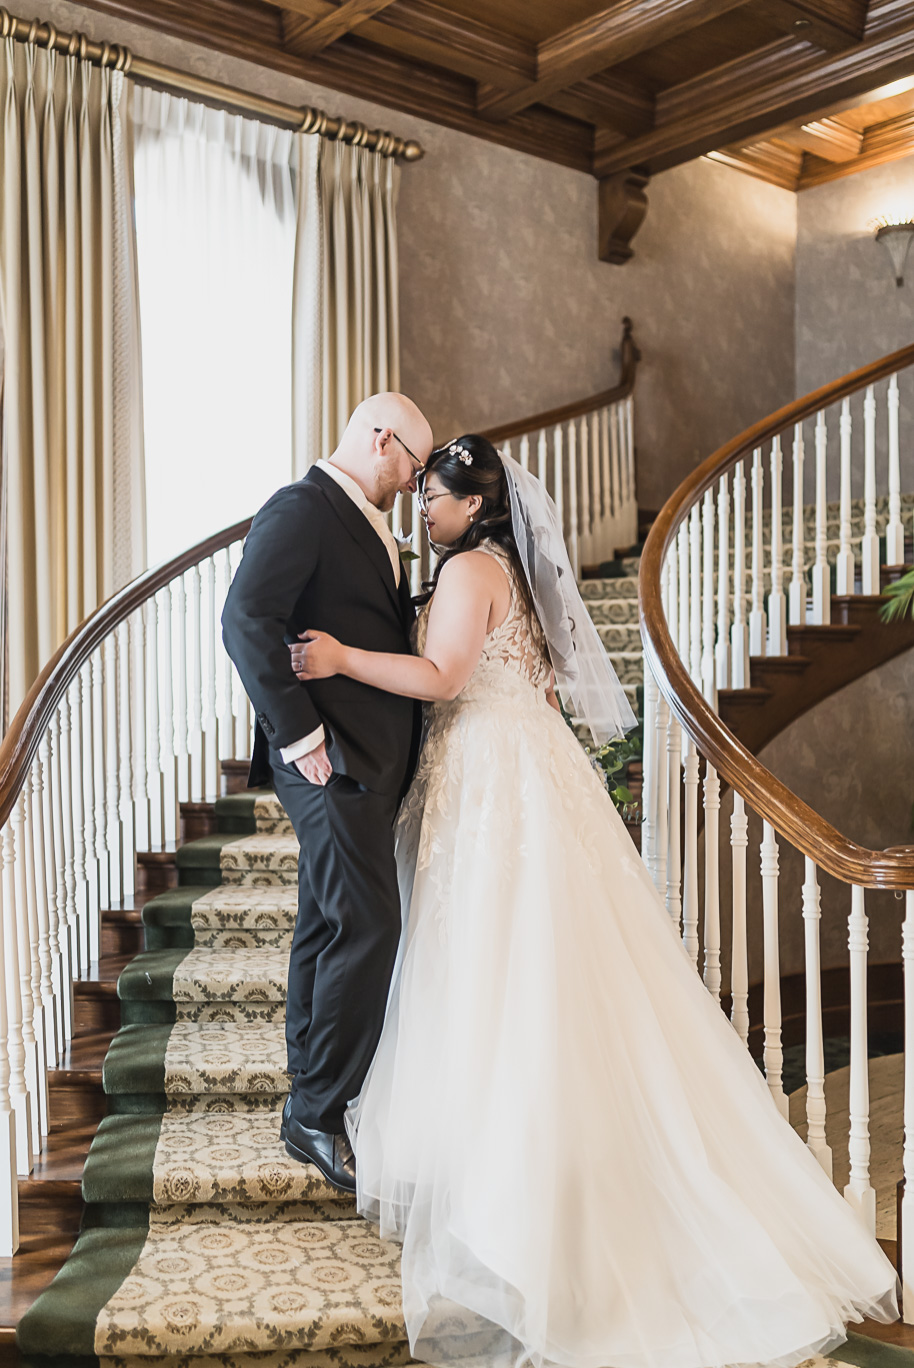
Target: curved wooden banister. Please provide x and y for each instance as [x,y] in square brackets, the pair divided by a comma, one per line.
[18,747]
[770,798]
[552,417]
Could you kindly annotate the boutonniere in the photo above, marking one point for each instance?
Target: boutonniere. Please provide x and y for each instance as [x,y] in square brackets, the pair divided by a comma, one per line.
[405,549]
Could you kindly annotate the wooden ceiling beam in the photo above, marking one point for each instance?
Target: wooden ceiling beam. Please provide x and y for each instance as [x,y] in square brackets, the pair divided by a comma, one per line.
[830,24]
[608,104]
[882,143]
[767,161]
[600,42]
[826,138]
[320,33]
[427,32]
[735,106]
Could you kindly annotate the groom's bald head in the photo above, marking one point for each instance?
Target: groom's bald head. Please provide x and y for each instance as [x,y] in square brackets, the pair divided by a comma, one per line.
[387,441]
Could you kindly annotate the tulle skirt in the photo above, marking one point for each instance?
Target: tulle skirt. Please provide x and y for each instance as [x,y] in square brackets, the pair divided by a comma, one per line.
[583,1164]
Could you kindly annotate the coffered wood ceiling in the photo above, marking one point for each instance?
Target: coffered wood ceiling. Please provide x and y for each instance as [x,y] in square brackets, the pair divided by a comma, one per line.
[792,91]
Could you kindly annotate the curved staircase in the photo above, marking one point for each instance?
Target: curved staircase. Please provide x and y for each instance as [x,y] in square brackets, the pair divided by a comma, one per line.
[198,1243]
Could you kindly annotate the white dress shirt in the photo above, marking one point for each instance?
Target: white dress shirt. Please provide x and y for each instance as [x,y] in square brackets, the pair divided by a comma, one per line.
[310,742]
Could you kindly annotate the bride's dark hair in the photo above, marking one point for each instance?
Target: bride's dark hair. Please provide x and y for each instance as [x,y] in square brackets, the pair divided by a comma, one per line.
[484,476]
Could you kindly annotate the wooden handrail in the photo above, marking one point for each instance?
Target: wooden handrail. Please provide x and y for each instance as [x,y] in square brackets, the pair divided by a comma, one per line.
[766,794]
[18,747]
[553,417]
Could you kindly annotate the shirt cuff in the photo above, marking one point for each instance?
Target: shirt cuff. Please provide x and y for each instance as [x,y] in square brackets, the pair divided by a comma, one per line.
[303,747]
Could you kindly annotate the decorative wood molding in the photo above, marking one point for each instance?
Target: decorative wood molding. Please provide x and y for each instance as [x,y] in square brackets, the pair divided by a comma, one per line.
[832,24]
[767,795]
[767,161]
[826,138]
[320,33]
[602,41]
[621,207]
[733,114]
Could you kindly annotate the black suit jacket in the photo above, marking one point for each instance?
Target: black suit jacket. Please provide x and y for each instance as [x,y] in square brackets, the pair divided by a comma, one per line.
[312,559]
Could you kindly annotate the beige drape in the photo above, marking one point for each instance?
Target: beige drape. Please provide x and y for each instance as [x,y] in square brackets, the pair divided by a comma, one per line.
[345,336]
[71,458]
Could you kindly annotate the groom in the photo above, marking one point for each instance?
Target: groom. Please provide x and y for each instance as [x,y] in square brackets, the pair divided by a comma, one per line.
[340,754]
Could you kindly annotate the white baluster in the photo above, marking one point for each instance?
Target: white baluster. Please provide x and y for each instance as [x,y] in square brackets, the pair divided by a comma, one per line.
[87,738]
[57,875]
[739,633]
[210,747]
[168,727]
[19,1090]
[608,507]
[43,829]
[906,1232]
[584,508]
[542,459]
[596,492]
[894,532]
[631,491]
[69,869]
[616,464]
[419,548]
[136,632]
[712,881]
[695,595]
[774,1055]
[815,1046]
[686,589]
[707,600]
[650,768]
[798,575]
[690,871]
[196,686]
[78,811]
[660,870]
[97,684]
[821,579]
[32,1042]
[673,762]
[869,550]
[38,943]
[125,758]
[722,649]
[573,517]
[777,604]
[525,452]
[150,611]
[227,714]
[739,958]
[858,1191]
[9,1180]
[758,621]
[558,458]
[112,770]
[846,568]
[181,712]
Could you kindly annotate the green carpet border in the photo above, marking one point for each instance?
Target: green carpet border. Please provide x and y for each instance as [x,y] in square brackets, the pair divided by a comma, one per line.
[235,812]
[864,1352]
[119,1165]
[149,977]
[61,1321]
[167,917]
[135,1062]
[199,861]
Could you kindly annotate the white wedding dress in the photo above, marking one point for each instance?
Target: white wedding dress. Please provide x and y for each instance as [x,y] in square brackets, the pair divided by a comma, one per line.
[583,1164]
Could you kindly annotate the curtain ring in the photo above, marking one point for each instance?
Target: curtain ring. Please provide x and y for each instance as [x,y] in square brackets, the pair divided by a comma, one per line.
[6,23]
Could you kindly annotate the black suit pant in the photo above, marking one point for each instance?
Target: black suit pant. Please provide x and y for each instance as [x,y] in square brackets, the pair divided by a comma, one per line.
[345,941]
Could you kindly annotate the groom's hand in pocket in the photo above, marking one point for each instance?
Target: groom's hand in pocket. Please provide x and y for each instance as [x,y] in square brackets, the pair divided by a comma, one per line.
[315,766]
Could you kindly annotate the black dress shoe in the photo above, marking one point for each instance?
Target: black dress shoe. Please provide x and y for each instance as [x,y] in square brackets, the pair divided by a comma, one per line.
[284,1123]
[332,1154]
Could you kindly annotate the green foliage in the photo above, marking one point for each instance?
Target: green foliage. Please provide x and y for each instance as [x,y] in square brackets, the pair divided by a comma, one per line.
[611,762]
[899,598]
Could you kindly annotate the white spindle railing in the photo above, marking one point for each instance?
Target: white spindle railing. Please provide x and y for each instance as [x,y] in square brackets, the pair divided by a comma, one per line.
[721,583]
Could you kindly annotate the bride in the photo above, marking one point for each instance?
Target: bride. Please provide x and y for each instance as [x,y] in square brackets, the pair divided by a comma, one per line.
[583,1164]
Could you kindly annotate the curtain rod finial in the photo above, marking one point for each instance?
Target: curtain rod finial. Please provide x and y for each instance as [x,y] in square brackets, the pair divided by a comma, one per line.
[412,151]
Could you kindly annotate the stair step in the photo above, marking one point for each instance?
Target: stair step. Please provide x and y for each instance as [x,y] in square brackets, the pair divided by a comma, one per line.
[279,1286]
[260,860]
[197,1158]
[230,984]
[147,1065]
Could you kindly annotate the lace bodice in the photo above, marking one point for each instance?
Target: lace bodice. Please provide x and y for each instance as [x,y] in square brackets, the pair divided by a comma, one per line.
[511,659]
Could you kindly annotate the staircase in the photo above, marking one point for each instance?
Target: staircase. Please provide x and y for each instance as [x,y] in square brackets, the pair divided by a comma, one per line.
[147,905]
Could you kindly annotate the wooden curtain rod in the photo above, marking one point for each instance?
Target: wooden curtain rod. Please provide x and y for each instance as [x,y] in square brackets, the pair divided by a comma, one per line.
[299,120]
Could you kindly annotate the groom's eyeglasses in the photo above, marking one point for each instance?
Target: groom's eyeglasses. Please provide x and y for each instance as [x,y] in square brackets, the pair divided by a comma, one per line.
[410,454]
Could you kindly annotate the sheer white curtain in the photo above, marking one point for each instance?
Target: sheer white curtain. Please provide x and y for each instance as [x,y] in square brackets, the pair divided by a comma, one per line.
[216,228]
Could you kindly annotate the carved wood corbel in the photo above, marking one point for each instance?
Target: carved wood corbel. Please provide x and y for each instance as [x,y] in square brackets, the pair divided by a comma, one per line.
[622,205]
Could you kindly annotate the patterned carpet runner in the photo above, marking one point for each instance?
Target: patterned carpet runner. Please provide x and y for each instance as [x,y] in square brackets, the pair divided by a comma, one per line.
[203,1244]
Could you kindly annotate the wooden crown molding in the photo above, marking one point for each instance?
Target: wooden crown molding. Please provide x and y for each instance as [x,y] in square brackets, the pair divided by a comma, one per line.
[826,138]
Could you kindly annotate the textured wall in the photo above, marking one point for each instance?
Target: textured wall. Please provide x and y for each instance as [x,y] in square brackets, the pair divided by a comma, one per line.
[505,307]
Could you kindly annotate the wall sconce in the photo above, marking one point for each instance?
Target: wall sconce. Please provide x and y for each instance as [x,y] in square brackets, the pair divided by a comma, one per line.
[896,237]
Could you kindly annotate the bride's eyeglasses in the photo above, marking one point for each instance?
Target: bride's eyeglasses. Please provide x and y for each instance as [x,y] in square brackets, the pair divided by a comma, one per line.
[412,456]
[424,499]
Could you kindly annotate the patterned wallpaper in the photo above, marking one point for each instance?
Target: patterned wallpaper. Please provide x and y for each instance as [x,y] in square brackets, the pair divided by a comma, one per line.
[505,307]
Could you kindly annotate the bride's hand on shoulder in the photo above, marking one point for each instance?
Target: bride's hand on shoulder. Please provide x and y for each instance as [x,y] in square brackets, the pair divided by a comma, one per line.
[316,655]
